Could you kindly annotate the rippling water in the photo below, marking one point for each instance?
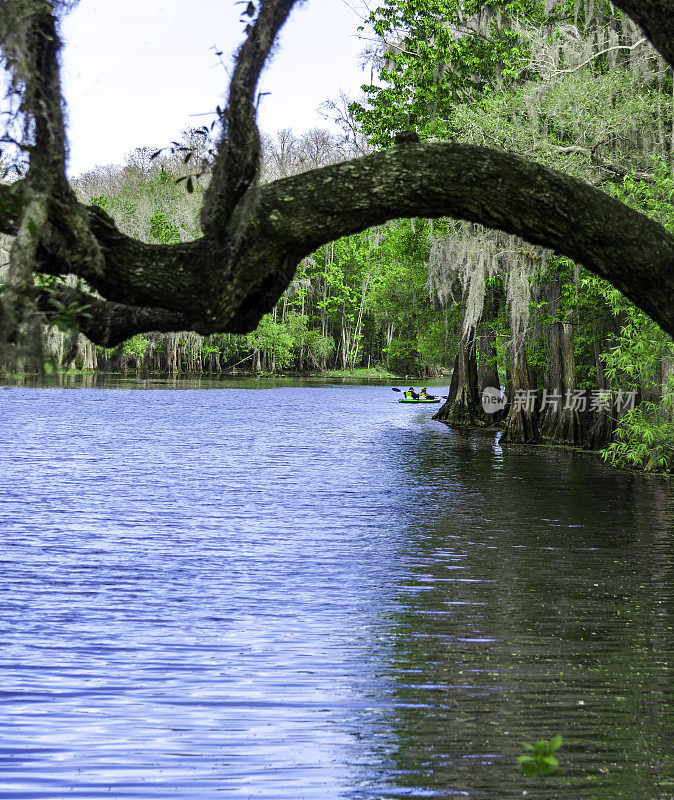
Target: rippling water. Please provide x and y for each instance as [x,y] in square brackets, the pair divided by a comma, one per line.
[316,592]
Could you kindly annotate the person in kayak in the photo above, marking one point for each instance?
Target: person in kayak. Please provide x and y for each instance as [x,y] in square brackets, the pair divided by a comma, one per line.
[423,395]
[410,394]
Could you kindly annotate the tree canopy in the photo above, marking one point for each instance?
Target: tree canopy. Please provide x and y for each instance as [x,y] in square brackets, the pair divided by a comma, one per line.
[253,234]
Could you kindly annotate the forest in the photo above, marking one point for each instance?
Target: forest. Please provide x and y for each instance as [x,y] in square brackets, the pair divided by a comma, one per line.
[573,85]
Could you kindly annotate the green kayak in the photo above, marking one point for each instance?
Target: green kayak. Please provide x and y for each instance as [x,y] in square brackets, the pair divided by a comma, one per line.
[410,400]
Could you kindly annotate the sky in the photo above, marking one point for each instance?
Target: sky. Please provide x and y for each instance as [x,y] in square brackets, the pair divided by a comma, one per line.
[137,72]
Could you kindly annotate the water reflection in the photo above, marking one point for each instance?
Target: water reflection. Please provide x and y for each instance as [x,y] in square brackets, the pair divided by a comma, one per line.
[316,592]
[538,603]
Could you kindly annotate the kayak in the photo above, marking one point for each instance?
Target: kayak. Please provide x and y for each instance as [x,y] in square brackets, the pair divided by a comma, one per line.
[411,400]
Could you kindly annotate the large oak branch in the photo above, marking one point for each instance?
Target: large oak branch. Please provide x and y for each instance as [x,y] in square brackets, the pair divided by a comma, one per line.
[238,157]
[498,190]
[656,17]
[290,218]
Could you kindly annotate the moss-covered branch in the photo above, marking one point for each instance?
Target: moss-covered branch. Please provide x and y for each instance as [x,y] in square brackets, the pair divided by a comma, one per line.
[256,235]
[237,162]
[499,190]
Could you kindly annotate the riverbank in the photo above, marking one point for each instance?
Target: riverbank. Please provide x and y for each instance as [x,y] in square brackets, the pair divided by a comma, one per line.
[80,379]
[377,373]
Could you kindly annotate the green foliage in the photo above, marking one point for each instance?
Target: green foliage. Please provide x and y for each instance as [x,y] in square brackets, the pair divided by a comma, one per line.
[445,56]
[654,196]
[541,761]
[645,437]
[274,340]
[403,357]
[162,230]
[428,69]
[102,201]
[318,347]
[136,347]
[431,343]
[63,316]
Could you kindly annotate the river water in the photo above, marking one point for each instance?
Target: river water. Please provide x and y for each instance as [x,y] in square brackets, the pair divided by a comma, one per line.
[263,590]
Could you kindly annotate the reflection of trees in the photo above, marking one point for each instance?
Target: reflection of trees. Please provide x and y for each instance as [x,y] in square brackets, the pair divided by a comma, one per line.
[535,604]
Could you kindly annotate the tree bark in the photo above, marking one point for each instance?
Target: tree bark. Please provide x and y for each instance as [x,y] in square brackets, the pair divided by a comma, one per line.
[488,360]
[463,407]
[568,429]
[553,387]
[521,425]
[600,431]
[487,370]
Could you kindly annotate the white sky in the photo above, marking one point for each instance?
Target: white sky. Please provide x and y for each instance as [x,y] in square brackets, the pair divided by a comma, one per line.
[134,71]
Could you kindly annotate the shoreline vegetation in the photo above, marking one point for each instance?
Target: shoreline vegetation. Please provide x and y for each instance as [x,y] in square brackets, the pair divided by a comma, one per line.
[377,373]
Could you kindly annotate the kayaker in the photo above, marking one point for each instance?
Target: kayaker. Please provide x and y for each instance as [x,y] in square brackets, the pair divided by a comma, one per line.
[410,394]
[423,395]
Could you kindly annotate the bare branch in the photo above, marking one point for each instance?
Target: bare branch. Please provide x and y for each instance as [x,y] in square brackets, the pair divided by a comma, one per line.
[600,53]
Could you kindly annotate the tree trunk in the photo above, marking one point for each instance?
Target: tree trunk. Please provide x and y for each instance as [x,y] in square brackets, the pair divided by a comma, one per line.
[88,354]
[21,346]
[553,387]
[560,421]
[521,426]
[488,362]
[567,429]
[487,371]
[601,431]
[464,406]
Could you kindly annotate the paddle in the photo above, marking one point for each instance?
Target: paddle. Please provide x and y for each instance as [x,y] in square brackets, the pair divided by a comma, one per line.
[432,396]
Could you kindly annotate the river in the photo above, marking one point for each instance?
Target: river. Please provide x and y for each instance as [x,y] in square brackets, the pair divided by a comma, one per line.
[278,589]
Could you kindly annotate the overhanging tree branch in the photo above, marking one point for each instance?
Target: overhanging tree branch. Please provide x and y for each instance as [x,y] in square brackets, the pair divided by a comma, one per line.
[294,216]
[656,17]
[498,190]
[254,236]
